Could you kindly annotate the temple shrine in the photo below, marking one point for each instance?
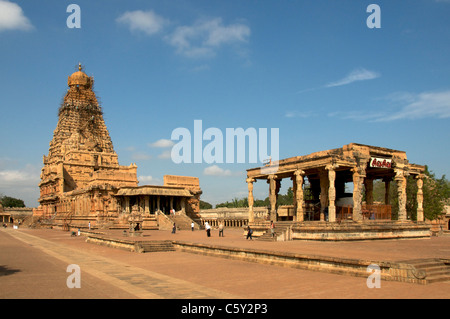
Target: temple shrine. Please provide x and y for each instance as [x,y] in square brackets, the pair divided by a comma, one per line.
[331,212]
[82,183]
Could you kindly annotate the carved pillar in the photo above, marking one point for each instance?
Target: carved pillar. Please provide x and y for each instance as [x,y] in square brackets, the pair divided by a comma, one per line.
[400,178]
[359,173]
[298,195]
[127,204]
[158,201]
[273,197]
[147,205]
[251,215]
[420,217]
[324,187]
[331,193]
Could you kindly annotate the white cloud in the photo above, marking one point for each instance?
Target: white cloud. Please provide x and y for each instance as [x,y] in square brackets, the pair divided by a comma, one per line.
[204,37]
[144,21]
[299,114]
[13,176]
[405,106]
[215,170]
[146,179]
[354,76]
[12,17]
[423,105]
[21,183]
[162,143]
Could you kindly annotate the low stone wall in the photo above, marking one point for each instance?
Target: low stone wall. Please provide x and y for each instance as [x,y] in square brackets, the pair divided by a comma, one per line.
[392,271]
[231,217]
[130,245]
[368,230]
[113,243]
[355,267]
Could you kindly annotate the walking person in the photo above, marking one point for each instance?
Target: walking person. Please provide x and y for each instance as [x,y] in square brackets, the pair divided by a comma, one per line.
[192,226]
[208,229]
[174,228]
[249,233]
[221,229]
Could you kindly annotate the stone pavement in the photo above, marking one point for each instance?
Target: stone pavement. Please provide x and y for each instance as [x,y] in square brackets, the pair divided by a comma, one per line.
[180,275]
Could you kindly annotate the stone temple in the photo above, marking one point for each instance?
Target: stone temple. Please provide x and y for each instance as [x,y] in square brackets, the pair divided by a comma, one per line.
[332,213]
[83,185]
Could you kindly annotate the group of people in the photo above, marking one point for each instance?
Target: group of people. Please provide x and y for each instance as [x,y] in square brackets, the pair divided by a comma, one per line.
[208,229]
[221,226]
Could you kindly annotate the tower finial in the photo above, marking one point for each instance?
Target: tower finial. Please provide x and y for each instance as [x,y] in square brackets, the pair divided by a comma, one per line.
[79,66]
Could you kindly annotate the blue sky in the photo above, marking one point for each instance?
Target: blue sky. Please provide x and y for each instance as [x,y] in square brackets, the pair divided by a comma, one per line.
[312,69]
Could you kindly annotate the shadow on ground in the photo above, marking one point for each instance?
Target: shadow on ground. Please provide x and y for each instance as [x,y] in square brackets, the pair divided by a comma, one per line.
[5,271]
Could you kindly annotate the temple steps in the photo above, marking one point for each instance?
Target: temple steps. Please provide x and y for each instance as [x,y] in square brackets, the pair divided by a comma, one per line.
[436,270]
[155,246]
[281,227]
[182,222]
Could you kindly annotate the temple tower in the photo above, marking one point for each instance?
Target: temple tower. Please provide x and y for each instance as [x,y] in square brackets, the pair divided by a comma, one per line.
[81,153]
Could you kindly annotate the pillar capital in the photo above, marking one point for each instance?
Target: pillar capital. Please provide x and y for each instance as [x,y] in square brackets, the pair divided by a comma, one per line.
[299,172]
[420,176]
[250,180]
[359,170]
[331,167]
[401,172]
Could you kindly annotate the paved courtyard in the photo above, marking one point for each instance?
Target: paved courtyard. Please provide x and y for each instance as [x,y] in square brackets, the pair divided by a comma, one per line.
[33,264]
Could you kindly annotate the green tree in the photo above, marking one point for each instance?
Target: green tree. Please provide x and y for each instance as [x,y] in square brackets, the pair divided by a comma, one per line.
[205,205]
[436,193]
[287,199]
[7,201]
[235,203]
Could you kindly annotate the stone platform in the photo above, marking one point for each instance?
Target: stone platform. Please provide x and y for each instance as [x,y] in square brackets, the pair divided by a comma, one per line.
[419,263]
[368,230]
[343,231]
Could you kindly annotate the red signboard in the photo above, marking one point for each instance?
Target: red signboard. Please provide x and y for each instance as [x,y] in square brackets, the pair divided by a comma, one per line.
[380,162]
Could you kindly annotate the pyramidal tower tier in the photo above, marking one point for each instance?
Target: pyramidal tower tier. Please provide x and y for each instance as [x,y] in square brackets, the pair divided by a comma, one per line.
[81,128]
[81,153]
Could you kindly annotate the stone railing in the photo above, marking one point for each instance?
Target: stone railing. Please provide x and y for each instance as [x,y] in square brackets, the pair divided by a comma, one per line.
[231,217]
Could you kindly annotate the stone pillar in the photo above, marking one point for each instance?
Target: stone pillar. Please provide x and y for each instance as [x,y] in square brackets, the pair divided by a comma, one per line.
[298,195]
[147,205]
[420,217]
[324,186]
[358,181]
[183,204]
[331,193]
[127,204]
[251,215]
[171,202]
[158,203]
[272,197]
[400,178]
